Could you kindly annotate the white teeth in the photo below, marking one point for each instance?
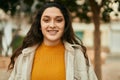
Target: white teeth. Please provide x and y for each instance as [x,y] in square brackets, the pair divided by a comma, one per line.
[52,32]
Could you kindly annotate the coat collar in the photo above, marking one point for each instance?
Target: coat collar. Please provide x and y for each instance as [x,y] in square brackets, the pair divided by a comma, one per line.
[70,47]
[29,50]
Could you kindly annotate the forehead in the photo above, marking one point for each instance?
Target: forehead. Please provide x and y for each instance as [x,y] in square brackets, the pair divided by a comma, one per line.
[52,11]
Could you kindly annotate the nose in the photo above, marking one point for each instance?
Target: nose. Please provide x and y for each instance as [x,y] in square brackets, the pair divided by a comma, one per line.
[52,24]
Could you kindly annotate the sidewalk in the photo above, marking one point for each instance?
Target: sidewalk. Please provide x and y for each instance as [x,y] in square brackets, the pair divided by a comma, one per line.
[110,70]
[4,61]
[4,74]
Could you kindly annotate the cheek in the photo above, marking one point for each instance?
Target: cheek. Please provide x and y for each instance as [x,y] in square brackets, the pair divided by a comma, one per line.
[62,27]
[43,25]
[42,28]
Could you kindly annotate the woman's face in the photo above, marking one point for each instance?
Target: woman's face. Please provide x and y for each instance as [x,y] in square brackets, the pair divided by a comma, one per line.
[52,25]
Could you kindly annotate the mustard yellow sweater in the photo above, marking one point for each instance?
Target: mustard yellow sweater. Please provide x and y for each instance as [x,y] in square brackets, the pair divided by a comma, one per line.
[49,63]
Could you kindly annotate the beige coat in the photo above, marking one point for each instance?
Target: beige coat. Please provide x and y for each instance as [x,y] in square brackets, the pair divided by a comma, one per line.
[76,68]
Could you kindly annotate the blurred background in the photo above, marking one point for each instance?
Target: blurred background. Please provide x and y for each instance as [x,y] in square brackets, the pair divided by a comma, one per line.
[95,22]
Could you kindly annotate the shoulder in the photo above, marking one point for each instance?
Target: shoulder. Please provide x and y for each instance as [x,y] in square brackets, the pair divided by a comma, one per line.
[72,47]
[76,50]
[26,53]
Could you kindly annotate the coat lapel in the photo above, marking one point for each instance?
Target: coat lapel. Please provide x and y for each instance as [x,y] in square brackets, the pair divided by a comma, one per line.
[69,61]
[69,66]
[28,55]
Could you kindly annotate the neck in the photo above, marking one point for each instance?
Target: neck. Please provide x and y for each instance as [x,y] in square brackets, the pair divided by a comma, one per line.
[52,43]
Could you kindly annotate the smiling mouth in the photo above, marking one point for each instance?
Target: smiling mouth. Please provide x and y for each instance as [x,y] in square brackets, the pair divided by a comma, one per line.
[52,32]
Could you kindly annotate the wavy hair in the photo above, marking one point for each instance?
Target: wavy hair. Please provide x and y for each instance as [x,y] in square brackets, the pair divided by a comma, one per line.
[35,36]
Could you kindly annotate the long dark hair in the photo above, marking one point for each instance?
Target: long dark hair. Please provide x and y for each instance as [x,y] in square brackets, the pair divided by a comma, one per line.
[35,36]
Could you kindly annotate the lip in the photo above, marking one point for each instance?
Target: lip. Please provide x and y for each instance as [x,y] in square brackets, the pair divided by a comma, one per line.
[52,32]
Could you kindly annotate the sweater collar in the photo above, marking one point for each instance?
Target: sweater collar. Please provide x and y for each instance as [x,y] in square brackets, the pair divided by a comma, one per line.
[29,50]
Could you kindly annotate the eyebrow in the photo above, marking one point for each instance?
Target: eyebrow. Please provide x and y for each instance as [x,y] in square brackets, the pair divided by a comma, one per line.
[55,16]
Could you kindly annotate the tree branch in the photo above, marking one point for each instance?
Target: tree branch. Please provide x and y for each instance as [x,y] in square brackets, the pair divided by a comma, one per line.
[94,6]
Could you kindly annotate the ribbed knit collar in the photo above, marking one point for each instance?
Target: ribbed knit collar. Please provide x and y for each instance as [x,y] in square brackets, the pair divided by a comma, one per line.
[67,45]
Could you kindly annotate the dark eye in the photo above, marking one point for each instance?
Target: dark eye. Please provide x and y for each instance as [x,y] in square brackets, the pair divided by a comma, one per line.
[59,20]
[46,20]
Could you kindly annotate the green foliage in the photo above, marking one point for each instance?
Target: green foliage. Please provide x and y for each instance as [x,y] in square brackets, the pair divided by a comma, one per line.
[80,10]
[83,13]
[105,15]
[17,41]
[28,2]
[9,5]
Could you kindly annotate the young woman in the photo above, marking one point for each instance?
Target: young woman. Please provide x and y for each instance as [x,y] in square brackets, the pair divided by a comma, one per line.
[50,50]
